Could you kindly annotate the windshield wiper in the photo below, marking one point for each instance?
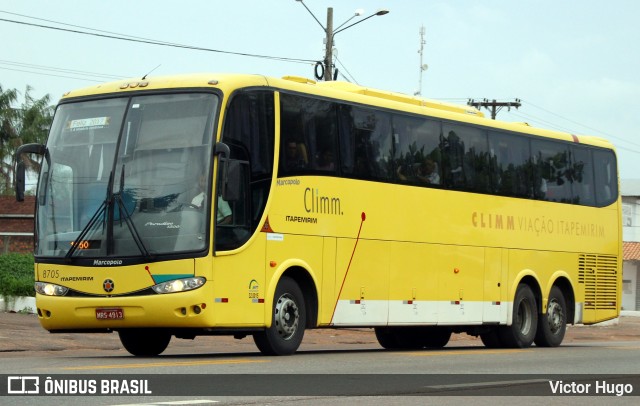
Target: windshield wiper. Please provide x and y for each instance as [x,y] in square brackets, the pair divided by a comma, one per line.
[102,210]
[94,219]
[127,219]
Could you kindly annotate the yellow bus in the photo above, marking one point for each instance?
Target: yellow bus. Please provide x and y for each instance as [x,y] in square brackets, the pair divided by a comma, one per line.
[222,204]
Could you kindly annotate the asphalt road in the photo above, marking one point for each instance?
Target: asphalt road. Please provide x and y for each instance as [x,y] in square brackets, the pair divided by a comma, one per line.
[207,369]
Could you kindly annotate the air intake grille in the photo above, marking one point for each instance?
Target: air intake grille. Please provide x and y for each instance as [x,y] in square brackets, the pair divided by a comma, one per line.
[599,274]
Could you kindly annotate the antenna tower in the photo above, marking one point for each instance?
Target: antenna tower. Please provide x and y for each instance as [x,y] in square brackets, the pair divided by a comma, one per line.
[423,67]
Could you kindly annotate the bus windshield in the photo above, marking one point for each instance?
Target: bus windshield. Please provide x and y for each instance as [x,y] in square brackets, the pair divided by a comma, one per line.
[127,176]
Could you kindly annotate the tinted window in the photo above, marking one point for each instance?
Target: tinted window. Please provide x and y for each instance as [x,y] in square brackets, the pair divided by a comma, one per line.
[249,133]
[330,138]
[365,147]
[605,177]
[465,158]
[510,159]
[249,128]
[551,170]
[580,174]
[417,150]
[308,136]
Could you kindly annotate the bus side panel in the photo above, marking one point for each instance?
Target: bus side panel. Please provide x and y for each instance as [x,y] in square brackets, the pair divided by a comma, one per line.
[435,284]
[238,285]
[495,287]
[460,284]
[363,267]
[328,290]
[413,284]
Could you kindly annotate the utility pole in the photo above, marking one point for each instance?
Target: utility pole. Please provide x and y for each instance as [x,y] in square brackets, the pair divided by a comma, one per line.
[494,106]
[328,54]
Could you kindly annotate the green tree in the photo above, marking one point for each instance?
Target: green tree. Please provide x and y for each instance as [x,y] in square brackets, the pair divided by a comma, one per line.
[20,125]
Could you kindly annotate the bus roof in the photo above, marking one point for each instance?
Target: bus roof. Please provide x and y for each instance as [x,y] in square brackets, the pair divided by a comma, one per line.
[333,89]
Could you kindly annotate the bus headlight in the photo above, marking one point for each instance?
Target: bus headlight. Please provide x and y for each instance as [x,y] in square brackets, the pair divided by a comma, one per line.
[179,285]
[50,289]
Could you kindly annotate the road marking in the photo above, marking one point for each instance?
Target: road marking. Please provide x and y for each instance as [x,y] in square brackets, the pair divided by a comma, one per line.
[164,364]
[175,402]
[623,348]
[485,384]
[466,352]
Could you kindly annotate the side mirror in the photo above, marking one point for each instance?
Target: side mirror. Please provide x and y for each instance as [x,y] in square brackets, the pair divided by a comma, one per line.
[20,179]
[20,170]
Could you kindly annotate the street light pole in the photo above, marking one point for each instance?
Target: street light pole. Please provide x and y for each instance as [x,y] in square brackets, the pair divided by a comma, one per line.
[329,34]
[328,53]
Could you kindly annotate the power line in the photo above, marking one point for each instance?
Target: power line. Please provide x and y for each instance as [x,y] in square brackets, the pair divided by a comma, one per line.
[160,43]
[598,131]
[346,70]
[52,75]
[56,69]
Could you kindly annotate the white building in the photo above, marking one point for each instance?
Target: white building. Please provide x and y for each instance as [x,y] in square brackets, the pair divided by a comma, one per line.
[630,191]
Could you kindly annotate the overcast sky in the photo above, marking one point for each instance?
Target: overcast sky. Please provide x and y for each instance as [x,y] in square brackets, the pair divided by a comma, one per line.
[575,64]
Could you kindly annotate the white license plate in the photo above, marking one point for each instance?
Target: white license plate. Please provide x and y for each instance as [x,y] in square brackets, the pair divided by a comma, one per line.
[109,314]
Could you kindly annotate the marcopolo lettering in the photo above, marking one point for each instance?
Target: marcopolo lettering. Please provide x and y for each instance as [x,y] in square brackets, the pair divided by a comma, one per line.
[107,262]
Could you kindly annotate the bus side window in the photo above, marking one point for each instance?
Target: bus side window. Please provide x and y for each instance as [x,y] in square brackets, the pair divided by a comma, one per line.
[416,150]
[605,180]
[366,142]
[551,167]
[465,158]
[581,176]
[510,165]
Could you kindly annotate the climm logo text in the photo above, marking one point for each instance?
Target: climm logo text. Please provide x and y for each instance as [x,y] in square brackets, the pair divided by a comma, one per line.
[314,202]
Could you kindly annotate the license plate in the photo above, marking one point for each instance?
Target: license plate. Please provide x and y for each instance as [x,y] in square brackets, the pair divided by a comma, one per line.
[109,314]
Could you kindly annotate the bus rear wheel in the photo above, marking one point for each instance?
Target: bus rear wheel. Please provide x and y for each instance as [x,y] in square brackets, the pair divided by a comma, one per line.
[288,321]
[522,331]
[399,338]
[553,324]
[436,337]
[491,338]
[144,342]
[412,338]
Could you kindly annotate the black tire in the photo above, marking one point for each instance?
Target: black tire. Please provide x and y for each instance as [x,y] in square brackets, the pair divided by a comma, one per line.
[411,338]
[491,338]
[553,324]
[435,337]
[386,338]
[288,321]
[522,331]
[144,342]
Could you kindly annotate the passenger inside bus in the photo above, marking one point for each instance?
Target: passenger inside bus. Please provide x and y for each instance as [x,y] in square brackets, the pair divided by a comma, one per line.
[295,155]
[325,160]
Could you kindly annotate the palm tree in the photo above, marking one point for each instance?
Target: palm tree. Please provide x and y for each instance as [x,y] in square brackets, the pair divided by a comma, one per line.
[27,124]
[8,135]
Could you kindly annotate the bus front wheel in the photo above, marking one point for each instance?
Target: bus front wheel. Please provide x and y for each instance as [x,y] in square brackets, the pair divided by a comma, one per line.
[553,324]
[288,321]
[522,331]
[144,342]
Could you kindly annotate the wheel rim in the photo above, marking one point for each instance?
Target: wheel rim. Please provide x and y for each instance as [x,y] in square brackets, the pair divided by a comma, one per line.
[555,316]
[524,317]
[286,317]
